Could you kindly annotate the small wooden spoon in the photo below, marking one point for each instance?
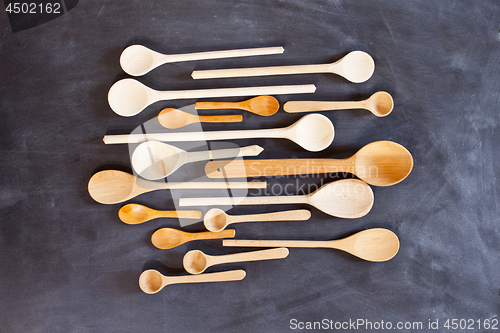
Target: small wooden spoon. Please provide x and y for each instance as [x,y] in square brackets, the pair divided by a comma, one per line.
[168,238]
[372,244]
[196,262]
[136,214]
[152,281]
[261,105]
[380,104]
[217,220]
[173,118]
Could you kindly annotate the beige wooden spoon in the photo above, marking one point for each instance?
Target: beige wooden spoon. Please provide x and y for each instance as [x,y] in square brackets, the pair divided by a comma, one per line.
[380,104]
[217,220]
[261,105]
[196,262]
[173,118]
[356,66]
[372,244]
[168,238]
[151,281]
[136,214]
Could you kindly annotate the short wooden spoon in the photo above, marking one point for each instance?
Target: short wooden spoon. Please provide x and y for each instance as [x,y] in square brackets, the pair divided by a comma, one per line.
[261,105]
[136,214]
[168,238]
[173,118]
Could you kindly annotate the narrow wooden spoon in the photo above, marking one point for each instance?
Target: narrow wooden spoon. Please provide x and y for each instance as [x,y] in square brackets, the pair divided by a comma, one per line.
[136,214]
[173,118]
[375,244]
[152,281]
[168,238]
[196,262]
[261,105]
[380,104]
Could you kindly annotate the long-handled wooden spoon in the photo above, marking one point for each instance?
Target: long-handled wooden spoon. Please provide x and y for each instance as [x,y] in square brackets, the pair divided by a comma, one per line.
[168,238]
[375,244]
[261,105]
[313,132]
[155,160]
[138,60]
[128,97]
[114,186]
[173,118]
[356,66]
[347,198]
[217,220]
[380,163]
[136,214]
[152,281]
[196,262]
[380,104]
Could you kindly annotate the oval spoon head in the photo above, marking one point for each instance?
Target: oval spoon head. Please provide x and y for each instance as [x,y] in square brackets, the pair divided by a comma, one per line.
[357,66]
[383,163]
[151,281]
[195,262]
[128,97]
[215,220]
[112,186]
[135,214]
[167,238]
[376,244]
[173,118]
[380,103]
[137,60]
[263,105]
[156,160]
[313,132]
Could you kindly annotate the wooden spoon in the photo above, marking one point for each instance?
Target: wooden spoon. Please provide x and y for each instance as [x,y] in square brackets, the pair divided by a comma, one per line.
[347,198]
[128,97]
[196,262]
[136,214]
[217,220]
[168,238]
[114,186]
[356,66]
[173,118]
[380,104]
[138,60]
[372,244]
[380,163]
[152,281]
[313,132]
[261,105]
[156,160]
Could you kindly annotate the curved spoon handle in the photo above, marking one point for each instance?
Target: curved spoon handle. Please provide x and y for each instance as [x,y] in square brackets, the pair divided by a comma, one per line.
[235,275]
[310,106]
[233,201]
[261,71]
[223,54]
[289,215]
[279,253]
[234,118]
[276,243]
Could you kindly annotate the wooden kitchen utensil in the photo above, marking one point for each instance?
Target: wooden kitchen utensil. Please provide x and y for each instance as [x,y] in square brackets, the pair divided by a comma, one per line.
[168,238]
[173,118]
[136,214]
[261,105]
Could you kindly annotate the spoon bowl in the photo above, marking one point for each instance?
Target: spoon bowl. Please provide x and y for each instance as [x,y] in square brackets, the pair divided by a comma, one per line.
[356,66]
[215,220]
[313,132]
[380,104]
[136,214]
[137,60]
[261,105]
[151,281]
[128,97]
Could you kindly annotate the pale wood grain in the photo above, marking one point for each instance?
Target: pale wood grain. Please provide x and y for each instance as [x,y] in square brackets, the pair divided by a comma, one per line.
[261,105]
[167,238]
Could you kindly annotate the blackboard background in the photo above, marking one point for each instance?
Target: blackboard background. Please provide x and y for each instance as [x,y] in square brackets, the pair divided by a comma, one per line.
[69,265]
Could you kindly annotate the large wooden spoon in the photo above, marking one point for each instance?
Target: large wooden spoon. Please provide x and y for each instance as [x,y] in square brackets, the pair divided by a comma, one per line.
[261,105]
[174,118]
[380,163]
[136,214]
[347,198]
[356,66]
[372,244]
[168,238]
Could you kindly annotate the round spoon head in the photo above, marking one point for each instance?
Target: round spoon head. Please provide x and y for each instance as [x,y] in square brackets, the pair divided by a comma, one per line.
[357,66]
[112,186]
[263,105]
[376,244]
[173,118]
[313,132]
[380,103]
[215,220]
[151,281]
[128,97]
[383,163]
[167,238]
[156,160]
[195,262]
[135,214]
[137,60]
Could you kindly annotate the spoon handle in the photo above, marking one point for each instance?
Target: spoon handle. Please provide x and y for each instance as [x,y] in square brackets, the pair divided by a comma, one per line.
[147,186]
[220,106]
[182,214]
[196,156]
[260,71]
[289,215]
[234,118]
[223,54]
[235,275]
[278,253]
[276,243]
[233,201]
[310,106]
[228,233]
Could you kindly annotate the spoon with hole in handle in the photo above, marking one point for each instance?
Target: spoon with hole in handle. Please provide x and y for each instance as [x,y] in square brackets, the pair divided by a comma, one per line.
[128,97]
[168,238]
[356,66]
[152,281]
[217,220]
[196,262]
[313,132]
[347,198]
[375,244]
[261,105]
[173,118]
[136,214]
[138,60]
[380,104]
[114,186]
[156,160]
[380,163]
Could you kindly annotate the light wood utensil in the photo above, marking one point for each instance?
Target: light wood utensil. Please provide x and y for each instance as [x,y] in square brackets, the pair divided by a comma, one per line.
[156,160]
[173,118]
[356,66]
[380,163]
[217,220]
[196,262]
[152,281]
[136,214]
[313,132]
[138,60]
[347,198]
[375,244]
[168,238]
[128,97]
[114,186]
[261,105]
[380,104]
